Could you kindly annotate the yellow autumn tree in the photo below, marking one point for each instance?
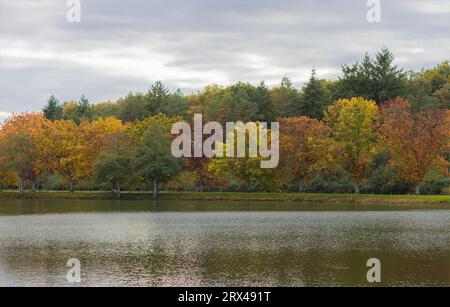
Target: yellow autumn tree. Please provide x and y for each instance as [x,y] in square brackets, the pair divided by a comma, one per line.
[72,149]
[65,152]
[7,179]
[246,172]
[94,136]
[354,124]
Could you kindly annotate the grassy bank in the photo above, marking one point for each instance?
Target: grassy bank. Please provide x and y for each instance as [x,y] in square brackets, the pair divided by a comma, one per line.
[291,197]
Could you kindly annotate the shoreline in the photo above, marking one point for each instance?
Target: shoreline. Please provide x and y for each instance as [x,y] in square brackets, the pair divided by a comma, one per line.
[235,196]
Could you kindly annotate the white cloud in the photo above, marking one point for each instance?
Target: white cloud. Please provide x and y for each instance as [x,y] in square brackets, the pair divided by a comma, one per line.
[130,61]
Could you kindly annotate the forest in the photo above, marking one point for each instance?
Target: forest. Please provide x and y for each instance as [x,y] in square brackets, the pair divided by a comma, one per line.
[375,129]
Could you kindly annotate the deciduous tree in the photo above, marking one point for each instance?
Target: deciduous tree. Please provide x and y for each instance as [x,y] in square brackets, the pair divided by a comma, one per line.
[304,144]
[65,153]
[94,136]
[20,137]
[152,159]
[354,123]
[114,162]
[245,172]
[416,142]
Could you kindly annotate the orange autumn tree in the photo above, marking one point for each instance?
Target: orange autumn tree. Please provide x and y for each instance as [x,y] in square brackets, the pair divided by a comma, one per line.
[95,135]
[354,123]
[72,149]
[20,153]
[416,142]
[65,153]
[304,144]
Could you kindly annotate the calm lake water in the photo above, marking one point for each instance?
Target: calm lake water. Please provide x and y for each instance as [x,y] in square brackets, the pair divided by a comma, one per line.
[218,243]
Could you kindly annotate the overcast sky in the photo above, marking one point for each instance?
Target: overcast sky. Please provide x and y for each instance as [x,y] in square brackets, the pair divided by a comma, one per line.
[121,46]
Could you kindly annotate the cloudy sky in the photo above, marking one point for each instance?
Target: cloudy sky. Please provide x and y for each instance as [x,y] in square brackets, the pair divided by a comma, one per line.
[121,46]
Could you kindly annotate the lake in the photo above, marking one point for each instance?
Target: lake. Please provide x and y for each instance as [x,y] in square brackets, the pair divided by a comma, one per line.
[217,243]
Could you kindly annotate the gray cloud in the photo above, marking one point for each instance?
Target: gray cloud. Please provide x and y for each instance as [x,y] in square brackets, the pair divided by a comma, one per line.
[123,46]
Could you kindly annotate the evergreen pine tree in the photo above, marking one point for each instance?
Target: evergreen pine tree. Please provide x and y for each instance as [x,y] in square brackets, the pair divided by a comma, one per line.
[84,110]
[157,97]
[314,100]
[53,110]
[265,107]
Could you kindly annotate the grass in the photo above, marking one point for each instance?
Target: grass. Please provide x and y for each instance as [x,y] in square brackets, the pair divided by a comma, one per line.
[237,196]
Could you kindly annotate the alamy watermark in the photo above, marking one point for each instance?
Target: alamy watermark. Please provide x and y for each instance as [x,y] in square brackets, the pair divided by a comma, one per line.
[74,273]
[374,273]
[228,142]
[74,12]
[374,12]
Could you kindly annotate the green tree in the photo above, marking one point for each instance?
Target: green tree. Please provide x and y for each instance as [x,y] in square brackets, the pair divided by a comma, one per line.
[374,79]
[388,80]
[239,103]
[420,93]
[114,163]
[105,109]
[157,97]
[133,107]
[84,110]
[175,105]
[53,110]
[264,104]
[434,85]
[356,80]
[438,76]
[70,111]
[152,159]
[208,102]
[286,99]
[314,97]
[443,95]
[245,108]
[245,173]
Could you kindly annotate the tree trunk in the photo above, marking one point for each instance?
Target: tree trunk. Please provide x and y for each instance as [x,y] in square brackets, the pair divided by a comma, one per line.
[301,186]
[417,189]
[201,185]
[21,185]
[155,188]
[33,186]
[118,191]
[72,189]
[356,187]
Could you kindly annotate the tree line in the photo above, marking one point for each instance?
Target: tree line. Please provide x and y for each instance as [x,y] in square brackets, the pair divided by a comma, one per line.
[374,129]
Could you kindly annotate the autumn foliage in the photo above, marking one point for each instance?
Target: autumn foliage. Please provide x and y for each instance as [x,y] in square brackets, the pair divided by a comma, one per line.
[304,148]
[416,142]
[20,150]
[354,124]
[344,143]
